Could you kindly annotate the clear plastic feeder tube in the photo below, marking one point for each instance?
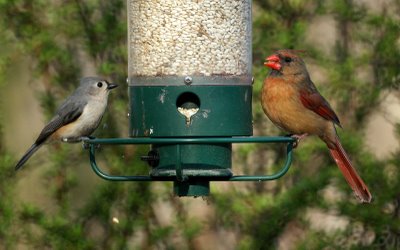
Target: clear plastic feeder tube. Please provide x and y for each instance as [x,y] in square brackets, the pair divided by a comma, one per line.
[197,38]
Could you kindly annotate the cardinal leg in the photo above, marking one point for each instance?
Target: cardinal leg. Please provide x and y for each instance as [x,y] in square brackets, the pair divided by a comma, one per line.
[298,138]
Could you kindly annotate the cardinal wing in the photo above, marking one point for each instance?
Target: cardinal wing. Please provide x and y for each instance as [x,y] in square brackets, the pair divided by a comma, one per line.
[317,103]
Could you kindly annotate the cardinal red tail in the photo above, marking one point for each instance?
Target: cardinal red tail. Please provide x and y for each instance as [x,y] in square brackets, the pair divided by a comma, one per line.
[349,173]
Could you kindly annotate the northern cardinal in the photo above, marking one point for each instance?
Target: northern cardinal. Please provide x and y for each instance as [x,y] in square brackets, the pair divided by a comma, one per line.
[292,102]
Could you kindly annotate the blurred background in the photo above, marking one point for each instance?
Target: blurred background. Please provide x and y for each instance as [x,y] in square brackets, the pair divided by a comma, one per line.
[57,202]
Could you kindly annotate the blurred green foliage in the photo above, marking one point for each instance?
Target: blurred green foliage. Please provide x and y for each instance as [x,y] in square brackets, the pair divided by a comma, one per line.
[52,34]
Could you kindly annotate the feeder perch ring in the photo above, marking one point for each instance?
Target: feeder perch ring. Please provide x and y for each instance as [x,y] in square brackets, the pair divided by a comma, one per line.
[93,143]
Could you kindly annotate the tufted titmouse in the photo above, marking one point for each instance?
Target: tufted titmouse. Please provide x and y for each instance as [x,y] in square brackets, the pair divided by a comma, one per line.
[77,117]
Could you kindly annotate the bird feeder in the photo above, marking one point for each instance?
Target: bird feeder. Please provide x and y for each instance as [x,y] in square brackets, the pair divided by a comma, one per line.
[190,91]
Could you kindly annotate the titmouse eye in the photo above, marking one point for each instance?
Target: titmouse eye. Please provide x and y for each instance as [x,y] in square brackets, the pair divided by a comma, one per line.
[99,84]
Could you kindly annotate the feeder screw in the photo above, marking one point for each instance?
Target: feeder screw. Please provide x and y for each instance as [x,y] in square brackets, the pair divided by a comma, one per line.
[152,158]
[188,80]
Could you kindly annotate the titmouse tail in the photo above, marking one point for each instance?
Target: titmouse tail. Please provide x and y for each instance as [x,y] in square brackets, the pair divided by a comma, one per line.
[27,155]
[349,173]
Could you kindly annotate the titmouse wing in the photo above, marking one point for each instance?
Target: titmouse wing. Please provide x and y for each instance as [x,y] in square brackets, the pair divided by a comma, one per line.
[67,113]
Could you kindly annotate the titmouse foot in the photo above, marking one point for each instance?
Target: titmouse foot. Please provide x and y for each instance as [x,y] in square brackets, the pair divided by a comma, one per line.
[77,139]
[85,145]
[85,138]
[71,140]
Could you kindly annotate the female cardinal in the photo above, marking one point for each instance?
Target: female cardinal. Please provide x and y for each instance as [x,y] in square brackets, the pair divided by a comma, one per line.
[292,102]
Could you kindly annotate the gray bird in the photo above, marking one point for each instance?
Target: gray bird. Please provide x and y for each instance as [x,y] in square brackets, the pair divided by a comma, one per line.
[77,117]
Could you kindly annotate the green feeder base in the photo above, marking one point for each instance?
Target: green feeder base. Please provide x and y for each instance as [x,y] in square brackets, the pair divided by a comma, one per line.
[193,160]
[192,188]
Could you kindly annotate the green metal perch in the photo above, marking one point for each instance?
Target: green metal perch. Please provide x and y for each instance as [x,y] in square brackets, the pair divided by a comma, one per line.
[188,185]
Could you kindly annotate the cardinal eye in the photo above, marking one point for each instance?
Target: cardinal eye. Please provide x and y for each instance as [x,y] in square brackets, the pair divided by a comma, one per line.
[99,84]
[287,59]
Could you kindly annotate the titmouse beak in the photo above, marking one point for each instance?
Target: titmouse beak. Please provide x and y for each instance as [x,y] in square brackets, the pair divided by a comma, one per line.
[111,85]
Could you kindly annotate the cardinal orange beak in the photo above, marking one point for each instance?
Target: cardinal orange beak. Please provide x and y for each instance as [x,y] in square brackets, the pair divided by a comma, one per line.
[273,62]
